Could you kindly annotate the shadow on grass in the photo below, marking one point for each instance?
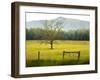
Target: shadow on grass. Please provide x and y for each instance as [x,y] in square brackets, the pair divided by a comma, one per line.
[37,63]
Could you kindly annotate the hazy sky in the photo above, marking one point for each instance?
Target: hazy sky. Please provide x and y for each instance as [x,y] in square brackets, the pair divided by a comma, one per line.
[42,16]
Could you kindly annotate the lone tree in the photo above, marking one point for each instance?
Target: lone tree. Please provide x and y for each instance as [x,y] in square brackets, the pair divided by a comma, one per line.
[51,29]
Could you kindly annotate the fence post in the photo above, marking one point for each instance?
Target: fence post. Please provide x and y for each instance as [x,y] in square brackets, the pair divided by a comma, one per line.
[78,55]
[63,55]
[38,55]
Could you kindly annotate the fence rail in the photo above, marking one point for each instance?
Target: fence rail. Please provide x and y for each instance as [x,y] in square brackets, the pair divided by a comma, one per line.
[64,52]
[71,52]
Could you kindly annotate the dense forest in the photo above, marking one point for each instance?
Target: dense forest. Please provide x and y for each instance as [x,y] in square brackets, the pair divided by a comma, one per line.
[38,34]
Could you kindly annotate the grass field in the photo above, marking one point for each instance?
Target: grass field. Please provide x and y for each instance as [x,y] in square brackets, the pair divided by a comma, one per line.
[53,57]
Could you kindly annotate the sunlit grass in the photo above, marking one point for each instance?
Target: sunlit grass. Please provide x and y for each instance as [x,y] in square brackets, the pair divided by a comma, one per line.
[53,57]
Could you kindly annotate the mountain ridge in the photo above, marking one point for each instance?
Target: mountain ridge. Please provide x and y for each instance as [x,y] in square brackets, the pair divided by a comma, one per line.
[69,23]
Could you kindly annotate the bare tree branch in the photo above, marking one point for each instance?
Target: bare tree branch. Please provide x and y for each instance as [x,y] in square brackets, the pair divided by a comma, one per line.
[51,29]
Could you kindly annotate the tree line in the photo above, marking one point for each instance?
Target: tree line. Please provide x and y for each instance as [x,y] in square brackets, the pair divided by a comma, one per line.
[39,34]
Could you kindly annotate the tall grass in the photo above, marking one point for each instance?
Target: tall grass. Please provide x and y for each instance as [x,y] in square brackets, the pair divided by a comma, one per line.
[53,57]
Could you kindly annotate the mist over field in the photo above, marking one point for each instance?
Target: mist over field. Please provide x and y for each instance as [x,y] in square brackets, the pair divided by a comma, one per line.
[69,23]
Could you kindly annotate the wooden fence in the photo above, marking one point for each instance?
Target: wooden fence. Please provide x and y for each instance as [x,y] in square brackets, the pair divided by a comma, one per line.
[72,52]
[65,52]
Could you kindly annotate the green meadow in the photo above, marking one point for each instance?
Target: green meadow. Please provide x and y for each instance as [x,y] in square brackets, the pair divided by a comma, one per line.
[54,57]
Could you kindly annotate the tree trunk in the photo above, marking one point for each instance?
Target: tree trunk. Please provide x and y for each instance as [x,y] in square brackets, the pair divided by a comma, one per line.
[51,44]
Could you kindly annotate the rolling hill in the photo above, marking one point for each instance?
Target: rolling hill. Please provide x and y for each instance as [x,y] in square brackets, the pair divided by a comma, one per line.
[69,24]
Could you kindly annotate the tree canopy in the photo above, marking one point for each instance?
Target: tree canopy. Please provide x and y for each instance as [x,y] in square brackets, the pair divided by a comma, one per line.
[38,34]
